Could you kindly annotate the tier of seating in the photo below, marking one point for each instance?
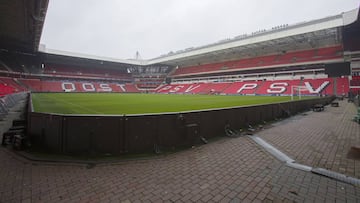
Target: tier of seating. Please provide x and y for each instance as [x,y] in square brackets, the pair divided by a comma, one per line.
[11,63]
[5,89]
[9,86]
[355,84]
[38,85]
[322,86]
[267,87]
[215,88]
[149,83]
[355,81]
[2,66]
[83,72]
[270,60]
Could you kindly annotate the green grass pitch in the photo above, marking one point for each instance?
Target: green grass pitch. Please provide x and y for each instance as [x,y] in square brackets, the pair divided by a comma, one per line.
[116,103]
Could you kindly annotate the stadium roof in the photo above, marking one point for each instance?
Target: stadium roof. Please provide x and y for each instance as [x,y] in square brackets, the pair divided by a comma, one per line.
[21,24]
[21,31]
[43,49]
[305,35]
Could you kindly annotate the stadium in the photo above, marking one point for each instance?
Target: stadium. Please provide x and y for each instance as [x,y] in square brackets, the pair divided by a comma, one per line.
[83,105]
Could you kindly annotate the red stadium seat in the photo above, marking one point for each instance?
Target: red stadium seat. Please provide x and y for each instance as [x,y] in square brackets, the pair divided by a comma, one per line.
[263,61]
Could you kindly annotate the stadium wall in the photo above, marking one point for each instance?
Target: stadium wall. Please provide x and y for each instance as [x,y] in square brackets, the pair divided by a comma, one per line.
[116,135]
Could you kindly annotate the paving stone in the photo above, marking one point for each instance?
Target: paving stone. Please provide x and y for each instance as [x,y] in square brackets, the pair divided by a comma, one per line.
[227,170]
[320,140]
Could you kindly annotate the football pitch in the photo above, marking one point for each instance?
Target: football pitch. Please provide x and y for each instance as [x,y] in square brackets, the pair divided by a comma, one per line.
[116,103]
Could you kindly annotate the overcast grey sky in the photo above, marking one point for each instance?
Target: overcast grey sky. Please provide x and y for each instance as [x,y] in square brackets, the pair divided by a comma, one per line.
[119,28]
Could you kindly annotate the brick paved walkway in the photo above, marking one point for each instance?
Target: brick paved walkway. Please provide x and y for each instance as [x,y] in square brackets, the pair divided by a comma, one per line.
[320,139]
[228,170]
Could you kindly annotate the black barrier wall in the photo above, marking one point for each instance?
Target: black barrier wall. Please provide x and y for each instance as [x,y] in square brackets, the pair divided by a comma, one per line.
[102,134]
